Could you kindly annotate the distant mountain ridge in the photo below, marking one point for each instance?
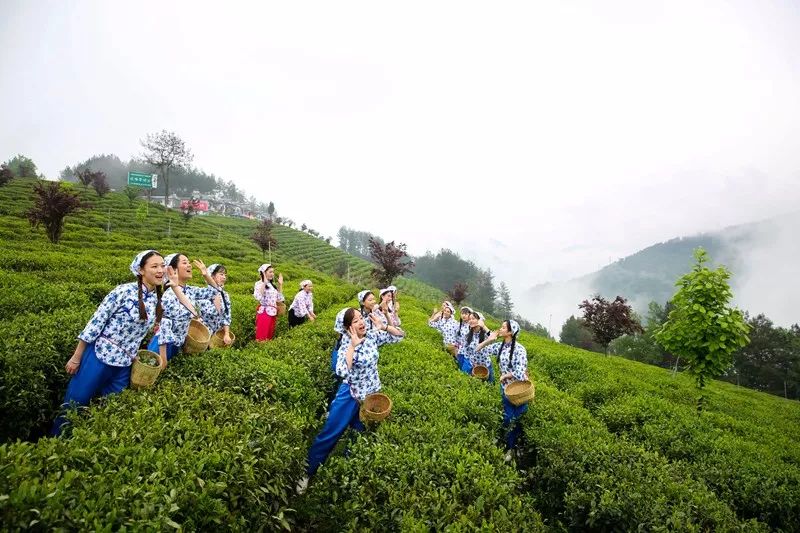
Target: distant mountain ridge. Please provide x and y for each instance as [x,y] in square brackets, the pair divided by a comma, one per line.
[747,250]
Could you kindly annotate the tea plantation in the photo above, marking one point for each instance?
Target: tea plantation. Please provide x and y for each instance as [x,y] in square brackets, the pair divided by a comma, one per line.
[220,441]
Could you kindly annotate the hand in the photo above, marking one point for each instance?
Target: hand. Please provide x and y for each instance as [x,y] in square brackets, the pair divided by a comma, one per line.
[435,310]
[72,366]
[493,335]
[162,362]
[354,338]
[172,275]
[227,339]
[280,279]
[202,266]
[375,320]
[312,318]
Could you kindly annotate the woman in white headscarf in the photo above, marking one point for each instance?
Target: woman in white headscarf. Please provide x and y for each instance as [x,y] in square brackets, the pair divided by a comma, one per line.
[107,346]
[216,313]
[302,307]
[513,361]
[268,297]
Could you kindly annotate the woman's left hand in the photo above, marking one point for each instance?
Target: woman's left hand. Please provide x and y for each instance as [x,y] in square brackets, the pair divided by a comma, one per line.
[202,266]
[172,274]
[227,339]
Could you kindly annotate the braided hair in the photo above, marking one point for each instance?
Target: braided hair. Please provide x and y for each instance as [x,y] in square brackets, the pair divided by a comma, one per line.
[513,345]
[159,291]
[217,270]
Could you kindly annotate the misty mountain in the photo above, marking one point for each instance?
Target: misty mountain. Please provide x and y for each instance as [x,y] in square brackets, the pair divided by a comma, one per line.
[762,256]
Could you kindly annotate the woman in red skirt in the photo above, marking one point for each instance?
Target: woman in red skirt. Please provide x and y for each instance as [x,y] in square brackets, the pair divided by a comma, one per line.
[268,296]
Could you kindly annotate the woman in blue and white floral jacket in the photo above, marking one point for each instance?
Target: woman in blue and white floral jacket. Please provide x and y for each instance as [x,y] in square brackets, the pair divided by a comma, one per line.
[107,346]
[179,305]
[357,365]
[513,361]
[216,313]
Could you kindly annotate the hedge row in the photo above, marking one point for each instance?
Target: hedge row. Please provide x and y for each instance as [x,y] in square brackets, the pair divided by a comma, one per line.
[434,464]
[742,447]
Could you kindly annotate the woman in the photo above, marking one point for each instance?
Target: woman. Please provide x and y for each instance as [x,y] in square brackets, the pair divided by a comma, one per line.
[389,304]
[107,346]
[513,361]
[302,307]
[179,305]
[368,305]
[461,332]
[216,313]
[357,365]
[468,351]
[268,296]
[444,322]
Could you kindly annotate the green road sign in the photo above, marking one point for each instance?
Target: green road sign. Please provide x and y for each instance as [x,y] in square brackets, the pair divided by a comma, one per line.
[142,179]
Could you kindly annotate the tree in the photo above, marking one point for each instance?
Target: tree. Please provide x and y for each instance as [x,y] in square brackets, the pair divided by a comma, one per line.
[51,204]
[342,268]
[263,238]
[271,210]
[390,261]
[771,361]
[22,167]
[132,193]
[575,333]
[5,174]
[85,177]
[458,293]
[189,211]
[609,320]
[303,227]
[702,328]
[504,306]
[165,151]
[644,348]
[484,294]
[100,184]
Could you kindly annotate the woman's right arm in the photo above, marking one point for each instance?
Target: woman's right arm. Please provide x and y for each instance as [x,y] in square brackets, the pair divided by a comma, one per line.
[75,361]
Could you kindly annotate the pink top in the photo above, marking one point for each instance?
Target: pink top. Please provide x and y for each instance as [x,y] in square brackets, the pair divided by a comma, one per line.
[268,298]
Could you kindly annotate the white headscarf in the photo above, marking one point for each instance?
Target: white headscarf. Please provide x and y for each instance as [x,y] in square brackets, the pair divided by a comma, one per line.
[362,295]
[304,283]
[338,324]
[514,326]
[137,261]
[168,259]
[263,268]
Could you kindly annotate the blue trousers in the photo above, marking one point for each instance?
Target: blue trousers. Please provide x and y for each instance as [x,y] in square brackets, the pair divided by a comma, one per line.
[93,378]
[464,364]
[334,358]
[172,349]
[511,415]
[343,413]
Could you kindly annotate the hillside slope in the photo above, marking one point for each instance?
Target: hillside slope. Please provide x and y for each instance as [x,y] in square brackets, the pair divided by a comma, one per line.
[220,441]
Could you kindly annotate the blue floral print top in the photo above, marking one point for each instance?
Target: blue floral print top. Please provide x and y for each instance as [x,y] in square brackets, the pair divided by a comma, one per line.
[115,327]
[215,318]
[516,365]
[175,323]
[448,328]
[362,376]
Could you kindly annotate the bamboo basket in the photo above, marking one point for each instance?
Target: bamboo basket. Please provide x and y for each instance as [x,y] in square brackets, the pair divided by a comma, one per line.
[451,350]
[375,407]
[217,342]
[281,308]
[143,376]
[198,337]
[480,372]
[520,392]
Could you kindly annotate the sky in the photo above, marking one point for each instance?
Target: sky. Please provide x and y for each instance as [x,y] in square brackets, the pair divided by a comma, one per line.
[540,139]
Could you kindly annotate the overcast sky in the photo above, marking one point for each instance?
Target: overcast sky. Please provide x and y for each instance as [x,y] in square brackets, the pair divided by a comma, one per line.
[540,139]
